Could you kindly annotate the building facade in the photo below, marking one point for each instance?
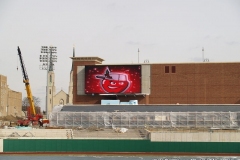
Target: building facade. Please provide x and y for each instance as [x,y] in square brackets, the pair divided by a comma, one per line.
[61,98]
[10,101]
[169,83]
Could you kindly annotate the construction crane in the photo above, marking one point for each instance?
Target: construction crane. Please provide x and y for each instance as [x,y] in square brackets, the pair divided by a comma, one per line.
[32,117]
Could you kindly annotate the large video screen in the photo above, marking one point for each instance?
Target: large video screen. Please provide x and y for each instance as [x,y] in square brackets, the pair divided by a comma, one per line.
[113,79]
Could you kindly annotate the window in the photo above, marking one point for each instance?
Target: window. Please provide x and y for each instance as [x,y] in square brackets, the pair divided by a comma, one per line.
[173,69]
[166,69]
[50,78]
[49,91]
[61,102]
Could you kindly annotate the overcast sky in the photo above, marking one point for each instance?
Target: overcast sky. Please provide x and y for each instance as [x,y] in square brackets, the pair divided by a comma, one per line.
[165,31]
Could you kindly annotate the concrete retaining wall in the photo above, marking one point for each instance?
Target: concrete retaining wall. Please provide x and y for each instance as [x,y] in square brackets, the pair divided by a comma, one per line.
[36,134]
[1,145]
[195,136]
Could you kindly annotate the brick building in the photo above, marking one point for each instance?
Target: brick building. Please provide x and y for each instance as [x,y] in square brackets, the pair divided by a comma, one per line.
[169,83]
[10,101]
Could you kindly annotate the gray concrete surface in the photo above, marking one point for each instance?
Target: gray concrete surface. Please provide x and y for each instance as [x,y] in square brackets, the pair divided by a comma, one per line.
[109,134]
[152,108]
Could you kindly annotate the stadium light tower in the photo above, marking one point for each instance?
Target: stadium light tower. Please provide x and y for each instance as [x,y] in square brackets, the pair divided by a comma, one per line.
[47,57]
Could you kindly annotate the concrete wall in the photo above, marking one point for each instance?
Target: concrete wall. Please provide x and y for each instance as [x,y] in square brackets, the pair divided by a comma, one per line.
[1,145]
[14,106]
[81,80]
[36,133]
[70,89]
[146,79]
[195,136]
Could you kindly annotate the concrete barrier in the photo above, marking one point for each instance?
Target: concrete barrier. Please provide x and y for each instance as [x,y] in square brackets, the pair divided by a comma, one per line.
[1,145]
[36,134]
[195,136]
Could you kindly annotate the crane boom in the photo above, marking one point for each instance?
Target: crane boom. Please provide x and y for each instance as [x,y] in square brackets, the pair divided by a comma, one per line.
[27,85]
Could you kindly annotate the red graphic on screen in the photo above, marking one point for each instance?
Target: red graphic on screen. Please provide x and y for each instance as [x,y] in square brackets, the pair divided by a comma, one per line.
[113,79]
[114,82]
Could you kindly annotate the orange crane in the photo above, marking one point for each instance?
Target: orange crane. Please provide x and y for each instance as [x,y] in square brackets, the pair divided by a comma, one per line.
[32,117]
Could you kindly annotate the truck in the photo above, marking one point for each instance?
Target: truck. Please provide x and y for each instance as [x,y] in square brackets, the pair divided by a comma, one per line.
[32,118]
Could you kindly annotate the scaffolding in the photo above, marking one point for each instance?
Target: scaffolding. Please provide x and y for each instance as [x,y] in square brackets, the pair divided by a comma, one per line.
[221,120]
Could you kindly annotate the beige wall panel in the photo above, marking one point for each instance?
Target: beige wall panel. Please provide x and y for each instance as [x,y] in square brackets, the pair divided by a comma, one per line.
[189,137]
[37,133]
[203,137]
[220,136]
[184,137]
[152,136]
[80,80]
[237,136]
[1,145]
[161,137]
[214,137]
[146,79]
[168,137]
[232,136]
[195,137]
[225,137]
[178,137]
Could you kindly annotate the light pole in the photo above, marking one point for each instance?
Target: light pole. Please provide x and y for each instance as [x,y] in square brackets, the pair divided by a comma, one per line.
[47,58]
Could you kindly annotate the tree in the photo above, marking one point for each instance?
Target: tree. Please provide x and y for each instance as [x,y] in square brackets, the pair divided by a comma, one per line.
[25,102]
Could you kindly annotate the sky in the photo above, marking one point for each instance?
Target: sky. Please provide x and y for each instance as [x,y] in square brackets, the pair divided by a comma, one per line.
[164,31]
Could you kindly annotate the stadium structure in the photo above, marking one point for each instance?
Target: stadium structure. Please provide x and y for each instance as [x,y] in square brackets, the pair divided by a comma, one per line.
[190,95]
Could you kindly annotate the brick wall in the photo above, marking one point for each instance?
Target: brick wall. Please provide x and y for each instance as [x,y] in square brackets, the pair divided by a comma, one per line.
[196,83]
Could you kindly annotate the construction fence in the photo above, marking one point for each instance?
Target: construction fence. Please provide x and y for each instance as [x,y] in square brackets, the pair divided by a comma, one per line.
[221,120]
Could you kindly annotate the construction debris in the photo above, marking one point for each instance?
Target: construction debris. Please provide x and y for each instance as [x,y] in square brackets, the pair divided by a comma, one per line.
[120,130]
[54,127]
[94,128]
